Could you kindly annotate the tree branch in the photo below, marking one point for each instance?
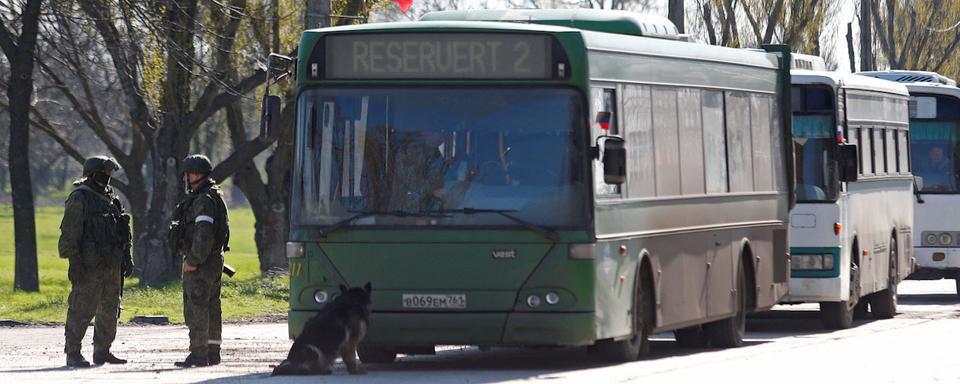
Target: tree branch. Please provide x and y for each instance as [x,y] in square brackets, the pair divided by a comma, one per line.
[7,42]
[93,122]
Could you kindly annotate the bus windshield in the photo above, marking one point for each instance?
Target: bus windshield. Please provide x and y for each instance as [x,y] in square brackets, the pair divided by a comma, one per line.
[413,151]
[815,144]
[936,148]
[935,142]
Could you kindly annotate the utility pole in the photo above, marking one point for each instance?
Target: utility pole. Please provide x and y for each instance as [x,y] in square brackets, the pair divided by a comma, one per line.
[318,14]
[675,14]
[867,61]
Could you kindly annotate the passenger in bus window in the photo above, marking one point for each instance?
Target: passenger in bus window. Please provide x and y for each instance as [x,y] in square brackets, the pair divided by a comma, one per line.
[938,172]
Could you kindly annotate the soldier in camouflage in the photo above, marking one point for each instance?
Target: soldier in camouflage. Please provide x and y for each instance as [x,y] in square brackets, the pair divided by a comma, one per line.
[95,238]
[200,232]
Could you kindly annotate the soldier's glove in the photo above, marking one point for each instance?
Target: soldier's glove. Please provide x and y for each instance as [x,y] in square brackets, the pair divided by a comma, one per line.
[127,268]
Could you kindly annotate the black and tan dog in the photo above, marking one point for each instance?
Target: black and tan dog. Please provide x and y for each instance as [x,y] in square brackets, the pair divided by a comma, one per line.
[335,331]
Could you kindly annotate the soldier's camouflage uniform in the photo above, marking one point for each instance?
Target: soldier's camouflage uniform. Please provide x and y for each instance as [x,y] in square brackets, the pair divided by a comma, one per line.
[205,236]
[95,238]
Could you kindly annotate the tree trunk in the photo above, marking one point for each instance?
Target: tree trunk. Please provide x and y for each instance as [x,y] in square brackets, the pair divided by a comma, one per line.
[19,93]
[675,14]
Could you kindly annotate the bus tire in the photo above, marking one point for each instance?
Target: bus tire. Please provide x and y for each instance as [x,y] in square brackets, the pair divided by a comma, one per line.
[883,304]
[630,349]
[839,314]
[729,332]
[375,354]
[690,337]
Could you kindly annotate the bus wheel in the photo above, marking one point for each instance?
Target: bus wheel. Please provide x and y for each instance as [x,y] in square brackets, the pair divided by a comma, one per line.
[638,344]
[839,314]
[690,337]
[883,304]
[375,354]
[728,333]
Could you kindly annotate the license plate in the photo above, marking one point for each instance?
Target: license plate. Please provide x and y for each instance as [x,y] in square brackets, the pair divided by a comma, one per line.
[434,301]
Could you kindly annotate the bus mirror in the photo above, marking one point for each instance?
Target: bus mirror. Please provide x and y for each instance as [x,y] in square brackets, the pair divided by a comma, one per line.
[278,66]
[614,160]
[849,165]
[270,116]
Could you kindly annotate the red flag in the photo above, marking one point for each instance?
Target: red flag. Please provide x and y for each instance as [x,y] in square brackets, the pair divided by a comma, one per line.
[404,4]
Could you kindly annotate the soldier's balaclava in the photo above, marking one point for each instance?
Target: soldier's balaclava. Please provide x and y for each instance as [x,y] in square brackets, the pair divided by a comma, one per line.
[101,178]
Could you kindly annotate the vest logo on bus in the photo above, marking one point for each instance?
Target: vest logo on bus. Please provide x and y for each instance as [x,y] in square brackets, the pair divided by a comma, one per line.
[504,254]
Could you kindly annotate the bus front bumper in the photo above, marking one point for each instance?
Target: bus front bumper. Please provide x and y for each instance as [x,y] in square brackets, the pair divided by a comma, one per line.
[501,328]
[814,289]
[935,263]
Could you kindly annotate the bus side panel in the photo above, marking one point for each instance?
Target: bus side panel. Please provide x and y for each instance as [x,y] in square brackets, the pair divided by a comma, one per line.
[877,208]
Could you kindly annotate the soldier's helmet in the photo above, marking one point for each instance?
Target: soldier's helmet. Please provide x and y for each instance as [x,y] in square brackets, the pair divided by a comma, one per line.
[99,164]
[196,164]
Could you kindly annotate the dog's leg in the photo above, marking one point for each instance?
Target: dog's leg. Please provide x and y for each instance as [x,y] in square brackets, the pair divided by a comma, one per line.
[349,354]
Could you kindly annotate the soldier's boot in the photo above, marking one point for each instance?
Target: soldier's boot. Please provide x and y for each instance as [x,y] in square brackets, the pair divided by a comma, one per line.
[194,359]
[213,355]
[75,359]
[99,358]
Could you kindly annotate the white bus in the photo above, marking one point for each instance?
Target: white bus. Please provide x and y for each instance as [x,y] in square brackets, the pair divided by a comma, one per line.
[850,230]
[935,146]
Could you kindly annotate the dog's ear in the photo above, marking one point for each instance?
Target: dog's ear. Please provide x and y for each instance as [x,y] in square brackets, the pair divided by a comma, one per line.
[367,287]
[343,288]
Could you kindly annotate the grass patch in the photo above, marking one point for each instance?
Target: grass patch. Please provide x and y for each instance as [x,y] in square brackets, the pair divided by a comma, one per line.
[246,295]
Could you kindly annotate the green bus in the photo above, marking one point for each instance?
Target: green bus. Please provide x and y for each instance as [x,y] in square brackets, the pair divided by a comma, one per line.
[539,178]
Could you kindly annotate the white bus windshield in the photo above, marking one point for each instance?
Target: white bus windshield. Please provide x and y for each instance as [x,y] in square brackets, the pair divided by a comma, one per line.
[815,143]
[418,150]
[935,143]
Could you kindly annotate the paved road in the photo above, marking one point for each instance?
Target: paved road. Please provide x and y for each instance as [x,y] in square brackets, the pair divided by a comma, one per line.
[784,346]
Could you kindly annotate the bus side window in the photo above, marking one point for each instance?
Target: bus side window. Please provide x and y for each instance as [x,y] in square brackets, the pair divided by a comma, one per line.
[714,142]
[666,141]
[604,99]
[739,132]
[638,130]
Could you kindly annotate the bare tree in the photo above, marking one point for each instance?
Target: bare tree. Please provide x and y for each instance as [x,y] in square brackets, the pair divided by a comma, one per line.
[19,51]
[922,35]
[168,69]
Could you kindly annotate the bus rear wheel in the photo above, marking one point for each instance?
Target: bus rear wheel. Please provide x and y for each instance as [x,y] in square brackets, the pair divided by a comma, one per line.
[883,304]
[729,332]
[376,354]
[839,314]
[638,344]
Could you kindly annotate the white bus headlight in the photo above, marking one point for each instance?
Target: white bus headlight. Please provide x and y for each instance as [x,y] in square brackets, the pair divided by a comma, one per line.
[294,250]
[552,298]
[533,301]
[930,239]
[320,296]
[946,239]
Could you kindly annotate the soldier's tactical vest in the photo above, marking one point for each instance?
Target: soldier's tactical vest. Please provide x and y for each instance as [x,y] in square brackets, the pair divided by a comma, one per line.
[181,228]
[103,235]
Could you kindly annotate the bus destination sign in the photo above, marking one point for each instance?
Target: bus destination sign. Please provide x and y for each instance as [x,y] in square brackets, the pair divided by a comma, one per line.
[438,56]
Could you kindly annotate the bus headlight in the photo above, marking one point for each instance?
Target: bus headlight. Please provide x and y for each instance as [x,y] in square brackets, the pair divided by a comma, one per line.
[294,250]
[320,296]
[552,298]
[533,301]
[821,262]
[946,239]
[930,239]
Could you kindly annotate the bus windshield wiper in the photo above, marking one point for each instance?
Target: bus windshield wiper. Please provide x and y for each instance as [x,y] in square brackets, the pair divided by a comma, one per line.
[361,214]
[544,231]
